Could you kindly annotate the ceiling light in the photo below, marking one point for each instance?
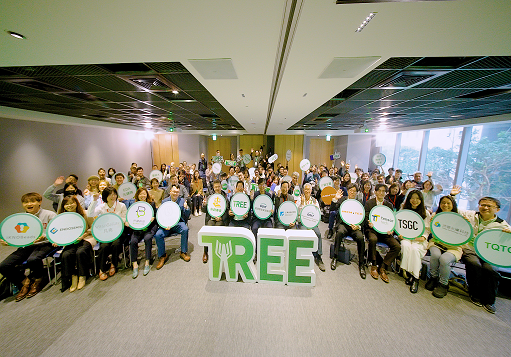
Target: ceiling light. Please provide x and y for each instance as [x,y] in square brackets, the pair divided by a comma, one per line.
[148,125]
[365,22]
[383,119]
[213,137]
[328,138]
[17,35]
[175,92]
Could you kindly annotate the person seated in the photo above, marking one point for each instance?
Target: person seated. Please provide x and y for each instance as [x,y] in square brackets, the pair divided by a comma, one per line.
[305,200]
[366,192]
[394,196]
[333,212]
[373,237]
[12,267]
[197,194]
[118,179]
[139,180]
[72,178]
[102,176]
[280,197]
[156,192]
[239,221]
[90,190]
[145,234]
[181,228]
[111,205]
[343,230]
[216,221]
[183,191]
[413,250]
[70,189]
[429,192]
[256,222]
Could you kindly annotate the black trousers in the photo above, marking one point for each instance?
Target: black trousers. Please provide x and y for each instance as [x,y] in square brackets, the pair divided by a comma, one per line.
[482,279]
[114,248]
[13,270]
[395,248]
[344,230]
[76,259]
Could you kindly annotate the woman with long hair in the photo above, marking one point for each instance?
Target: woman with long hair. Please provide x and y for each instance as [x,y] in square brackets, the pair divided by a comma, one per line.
[196,191]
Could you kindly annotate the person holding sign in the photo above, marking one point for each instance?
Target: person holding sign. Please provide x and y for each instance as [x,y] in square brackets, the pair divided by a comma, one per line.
[413,250]
[278,199]
[76,257]
[344,229]
[244,220]
[258,222]
[12,267]
[119,180]
[222,220]
[374,236]
[482,278]
[181,228]
[146,234]
[110,205]
[140,180]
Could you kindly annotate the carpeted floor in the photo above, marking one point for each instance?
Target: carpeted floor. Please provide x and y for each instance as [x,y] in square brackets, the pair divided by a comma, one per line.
[177,311]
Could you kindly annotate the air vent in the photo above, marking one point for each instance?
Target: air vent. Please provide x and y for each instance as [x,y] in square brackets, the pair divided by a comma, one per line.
[211,117]
[485,93]
[151,83]
[408,79]
[83,96]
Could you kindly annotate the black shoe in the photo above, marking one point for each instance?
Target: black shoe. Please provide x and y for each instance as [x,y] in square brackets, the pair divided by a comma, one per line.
[415,286]
[409,280]
[440,290]
[330,234]
[333,264]
[475,301]
[431,284]
[362,271]
[490,308]
[320,264]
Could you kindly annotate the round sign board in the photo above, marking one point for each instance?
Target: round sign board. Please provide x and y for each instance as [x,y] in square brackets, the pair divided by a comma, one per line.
[107,227]
[451,228]
[353,177]
[382,218]
[157,174]
[310,216]
[409,224]
[263,206]
[352,212]
[494,247]
[217,167]
[140,215]
[232,180]
[127,190]
[169,214]
[21,229]
[327,194]
[288,155]
[379,159]
[273,158]
[240,204]
[66,228]
[305,165]
[246,159]
[224,185]
[251,172]
[296,191]
[287,212]
[325,182]
[286,178]
[216,205]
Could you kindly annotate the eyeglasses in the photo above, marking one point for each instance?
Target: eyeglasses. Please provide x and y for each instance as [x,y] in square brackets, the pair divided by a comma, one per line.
[487,206]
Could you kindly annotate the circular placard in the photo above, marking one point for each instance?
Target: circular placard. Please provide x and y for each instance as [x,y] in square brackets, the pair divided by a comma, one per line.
[273,158]
[247,158]
[382,218]
[216,205]
[494,247]
[168,214]
[232,181]
[310,216]
[139,215]
[288,155]
[107,227]
[217,167]
[451,228]
[240,204]
[409,224]
[251,172]
[224,185]
[21,229]
[379,159]
[305,165]
[287,212]
[296,191]
[127,190]
[263,207]
[327,194]
[157,174]
[66,228]
[325,182]
[286,178]
[352,212]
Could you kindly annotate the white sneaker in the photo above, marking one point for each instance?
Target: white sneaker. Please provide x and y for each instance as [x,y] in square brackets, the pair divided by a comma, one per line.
[200,213]
[195,214]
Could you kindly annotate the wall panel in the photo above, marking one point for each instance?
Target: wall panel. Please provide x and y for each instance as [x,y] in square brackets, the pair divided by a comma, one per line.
[247,142]
[222,143]
[293,143]
[320,151]
[165,149]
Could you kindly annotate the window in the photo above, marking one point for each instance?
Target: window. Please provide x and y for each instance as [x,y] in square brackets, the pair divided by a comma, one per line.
[411,142]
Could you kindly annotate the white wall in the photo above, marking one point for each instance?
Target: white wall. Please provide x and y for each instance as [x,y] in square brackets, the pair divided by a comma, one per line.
[34,154]
[359,150]
[189,148]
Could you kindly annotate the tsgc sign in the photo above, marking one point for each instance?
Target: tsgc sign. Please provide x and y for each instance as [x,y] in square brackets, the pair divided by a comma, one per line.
[283,256]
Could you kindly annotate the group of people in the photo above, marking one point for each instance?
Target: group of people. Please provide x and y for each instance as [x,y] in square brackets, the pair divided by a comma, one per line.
[189,186]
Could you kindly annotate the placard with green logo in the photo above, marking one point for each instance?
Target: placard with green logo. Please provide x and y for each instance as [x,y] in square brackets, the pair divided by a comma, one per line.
[494,247]
[216,205]
[409,224]
[451,228]
[382,218]
[263,207]
[140,215]
[168,214]
[240,204]
[107,227]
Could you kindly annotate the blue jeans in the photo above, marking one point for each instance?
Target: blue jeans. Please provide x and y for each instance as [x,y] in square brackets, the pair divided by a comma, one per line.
[320,243]
[162,233]
[331,219]
[440,264]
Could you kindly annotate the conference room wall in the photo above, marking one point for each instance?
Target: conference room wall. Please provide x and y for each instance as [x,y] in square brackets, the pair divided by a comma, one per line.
[165,149]
[320,151]
[248,142]
[359,151]
[226,145]
[294,143]
[34,154]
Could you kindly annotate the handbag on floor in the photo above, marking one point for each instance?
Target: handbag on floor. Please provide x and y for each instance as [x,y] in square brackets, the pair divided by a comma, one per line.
[343,255]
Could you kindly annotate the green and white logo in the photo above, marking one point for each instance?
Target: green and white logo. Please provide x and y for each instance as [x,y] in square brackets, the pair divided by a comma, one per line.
[494,247]
[66,228]
[325,182]
[379,159]
[107,227]
[139,215]
[240,204]
[263,206]
[305,165]
[157,174]
[451,228]
[382,218]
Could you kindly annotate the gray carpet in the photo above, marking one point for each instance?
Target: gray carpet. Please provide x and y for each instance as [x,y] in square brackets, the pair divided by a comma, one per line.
[178,311]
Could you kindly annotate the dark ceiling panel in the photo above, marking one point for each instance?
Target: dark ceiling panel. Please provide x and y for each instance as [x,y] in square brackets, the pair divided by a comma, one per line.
[373,78]
[398,62]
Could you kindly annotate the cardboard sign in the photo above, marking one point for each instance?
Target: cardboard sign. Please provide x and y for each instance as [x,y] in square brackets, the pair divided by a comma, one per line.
[287,213]
[169,214]
[327,194]
[139,215]
[216,205]
[107,227]
[246,159]
[336,155]
[217,167]
[305,165]
[494,247]
[379,159]
[230,163]
[288,155]
[451,228]
[383,219]
[127,190]
[240,204]
[409,224]
[157,174]
[273,158]
[352,212]
[218,159]
[263,207]
[325,182]
[310,216]
[66,228]
[21,229]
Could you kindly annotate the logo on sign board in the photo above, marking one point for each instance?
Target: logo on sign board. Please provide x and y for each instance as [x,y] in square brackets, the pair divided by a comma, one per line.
[140,211]
[216,202]
[437,224]
[54,230]
[22,228]
[375,217]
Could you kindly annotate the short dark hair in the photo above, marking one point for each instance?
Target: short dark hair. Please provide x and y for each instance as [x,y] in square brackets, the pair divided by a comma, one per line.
[119,174]
[260,181]
[154,179]
[31,196]
[400,171]
[494,200]
[283,182]
[380,185]
[350,186]
[101,169]
[217,181]
[107,191]
[139,168]
[76,177]
[238,182]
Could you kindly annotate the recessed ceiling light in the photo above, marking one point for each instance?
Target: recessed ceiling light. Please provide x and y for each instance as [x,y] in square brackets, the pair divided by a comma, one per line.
[17,35]
[383,119]
[148,125]
[175,92]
